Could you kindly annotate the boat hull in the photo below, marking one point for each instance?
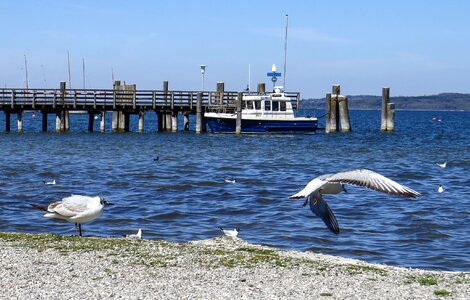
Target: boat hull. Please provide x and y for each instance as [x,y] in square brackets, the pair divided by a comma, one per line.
[228,125]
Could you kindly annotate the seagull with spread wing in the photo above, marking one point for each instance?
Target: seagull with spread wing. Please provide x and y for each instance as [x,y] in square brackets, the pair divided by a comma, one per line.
[334,184]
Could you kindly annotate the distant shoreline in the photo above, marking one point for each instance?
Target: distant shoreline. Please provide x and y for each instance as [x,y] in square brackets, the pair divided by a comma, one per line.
[52,266]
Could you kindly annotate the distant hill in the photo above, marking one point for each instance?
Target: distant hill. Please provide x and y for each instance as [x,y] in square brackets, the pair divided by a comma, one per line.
[444,101]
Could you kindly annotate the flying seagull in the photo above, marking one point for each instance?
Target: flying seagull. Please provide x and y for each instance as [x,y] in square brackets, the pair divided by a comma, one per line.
[76,209]
[334,184]
[232,233]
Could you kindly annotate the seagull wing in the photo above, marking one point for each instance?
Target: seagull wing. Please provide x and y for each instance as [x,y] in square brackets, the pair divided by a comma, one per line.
[70,206]
[374,181]
[321,209]
[312,186]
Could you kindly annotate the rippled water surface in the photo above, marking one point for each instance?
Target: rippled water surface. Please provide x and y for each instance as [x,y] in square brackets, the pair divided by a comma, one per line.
[183,195]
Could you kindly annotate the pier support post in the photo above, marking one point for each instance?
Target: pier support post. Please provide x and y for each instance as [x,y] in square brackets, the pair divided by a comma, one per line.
[390,116]
[186,121]
[174,121]
[126,121]
[261,88]
[159,121]
[333,113]
[141,121]
[60,121]
[165,91]
[167,123]
[91,120]
[44,120]
[102,121]
[220,92]
[20,121]
[344,114]
[199,114]
[387,121]
[119,121]
[7,121]
[238,125]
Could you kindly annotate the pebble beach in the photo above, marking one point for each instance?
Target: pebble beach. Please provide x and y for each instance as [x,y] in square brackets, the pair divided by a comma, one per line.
[36,266]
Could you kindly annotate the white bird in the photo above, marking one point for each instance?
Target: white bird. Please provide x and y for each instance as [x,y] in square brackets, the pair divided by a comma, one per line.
[443,165]
[229,180]
[334,184]
[49,182]
[76,209]
[137,235]
[440,189]
[231,233]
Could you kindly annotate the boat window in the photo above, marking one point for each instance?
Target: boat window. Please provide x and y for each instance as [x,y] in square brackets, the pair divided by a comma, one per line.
[283,106]
[249,104]
[257,104]
[267,105]
[275,105]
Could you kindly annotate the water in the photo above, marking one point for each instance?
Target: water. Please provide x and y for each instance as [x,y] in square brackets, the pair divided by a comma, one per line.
[183,196]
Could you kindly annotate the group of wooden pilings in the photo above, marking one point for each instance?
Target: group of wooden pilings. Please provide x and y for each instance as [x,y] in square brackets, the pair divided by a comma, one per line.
[337,111]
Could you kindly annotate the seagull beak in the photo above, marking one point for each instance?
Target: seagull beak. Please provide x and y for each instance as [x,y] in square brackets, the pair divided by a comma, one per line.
[108,203]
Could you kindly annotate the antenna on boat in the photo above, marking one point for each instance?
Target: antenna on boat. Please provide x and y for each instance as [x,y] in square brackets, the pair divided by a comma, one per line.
[285,52]
[249,78]
[83,71]
[26,71]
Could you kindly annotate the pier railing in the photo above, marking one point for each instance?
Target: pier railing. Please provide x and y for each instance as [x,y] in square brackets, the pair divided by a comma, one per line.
[110,99]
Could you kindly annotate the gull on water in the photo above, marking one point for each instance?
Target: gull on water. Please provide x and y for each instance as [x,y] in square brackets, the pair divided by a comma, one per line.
[443,165]
[76,209]
[49,182]
[137,235]
[232,233]
[229,180]
[440,189]
[334,184]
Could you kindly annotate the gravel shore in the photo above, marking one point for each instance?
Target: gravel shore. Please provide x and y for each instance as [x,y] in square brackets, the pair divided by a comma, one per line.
[58,267]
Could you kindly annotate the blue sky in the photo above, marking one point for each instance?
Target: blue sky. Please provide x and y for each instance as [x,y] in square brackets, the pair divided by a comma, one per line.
[416,47]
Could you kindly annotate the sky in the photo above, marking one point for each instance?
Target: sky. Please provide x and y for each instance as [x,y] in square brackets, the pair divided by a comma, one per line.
[415,47]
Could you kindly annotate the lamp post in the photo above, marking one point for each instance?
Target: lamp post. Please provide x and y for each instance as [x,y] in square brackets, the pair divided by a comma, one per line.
[203,70]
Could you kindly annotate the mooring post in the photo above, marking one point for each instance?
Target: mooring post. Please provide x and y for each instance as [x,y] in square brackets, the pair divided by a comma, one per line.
[390,116]
[328,113]
[261,88]
[7,121]
[385,101]
[141,121]
[20,121]
[186,121]
[44,120]
[103,121]
[220,92]
[238,126]
[342,115]
[91,120]
[334,120]
[199,113]
[165,90]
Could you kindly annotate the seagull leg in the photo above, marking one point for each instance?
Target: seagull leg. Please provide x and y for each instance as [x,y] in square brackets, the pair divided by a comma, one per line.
[306,202]
[80,228]
[76,229]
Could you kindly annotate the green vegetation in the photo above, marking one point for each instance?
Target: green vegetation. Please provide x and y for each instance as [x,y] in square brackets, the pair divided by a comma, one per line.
[444,101]
[444,293]
[423,280]
[357,269]
[326,294]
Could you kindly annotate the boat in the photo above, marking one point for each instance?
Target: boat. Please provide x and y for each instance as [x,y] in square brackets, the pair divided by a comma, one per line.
[271,113]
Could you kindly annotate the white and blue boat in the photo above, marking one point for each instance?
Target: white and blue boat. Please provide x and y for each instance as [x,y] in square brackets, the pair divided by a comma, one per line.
[271,113]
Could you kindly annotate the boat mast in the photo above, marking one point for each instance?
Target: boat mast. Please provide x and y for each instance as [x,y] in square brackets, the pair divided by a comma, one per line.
[68,64]
[83,71]
[26,71]
[285,53]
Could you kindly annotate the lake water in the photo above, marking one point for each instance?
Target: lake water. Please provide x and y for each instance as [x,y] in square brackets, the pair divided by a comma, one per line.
[183,195]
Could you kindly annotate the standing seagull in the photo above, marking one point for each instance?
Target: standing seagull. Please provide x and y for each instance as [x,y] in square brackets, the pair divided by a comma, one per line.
[76,209]
[137,235]
[334,184]
[231,233]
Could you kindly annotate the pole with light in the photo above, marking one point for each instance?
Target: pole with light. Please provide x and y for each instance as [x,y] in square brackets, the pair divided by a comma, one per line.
[203,70]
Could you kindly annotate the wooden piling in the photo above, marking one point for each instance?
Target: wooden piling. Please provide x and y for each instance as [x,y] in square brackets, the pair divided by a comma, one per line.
[390,116]
[44,120]
[126,121]
[328,113]
[60,121]
[165,91]
[174,121]
[168,121]
[220,92]
[334,120]
[385,101]
[159,121]
[261,88]
[103,121]
[91,120]
[344,114]
[141,121]
[199,113]
[7,121]
[238,126]
[336,89]
[186,121]
[19,121]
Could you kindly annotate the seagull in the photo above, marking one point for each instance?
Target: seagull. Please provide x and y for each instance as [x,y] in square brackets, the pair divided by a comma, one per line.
[443,165]
[231,233]
[137,236]
[440,189]
[49,182]
[76,209]
[156,158]
[334,184]
[229,180]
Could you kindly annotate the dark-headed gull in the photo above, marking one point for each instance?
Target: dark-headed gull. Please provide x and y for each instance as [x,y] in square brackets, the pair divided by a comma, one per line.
[440,189]
[333,184]
[231,233]
[76,209]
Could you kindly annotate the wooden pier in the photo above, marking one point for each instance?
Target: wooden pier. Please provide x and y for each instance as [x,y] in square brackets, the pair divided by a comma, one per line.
[123,100]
